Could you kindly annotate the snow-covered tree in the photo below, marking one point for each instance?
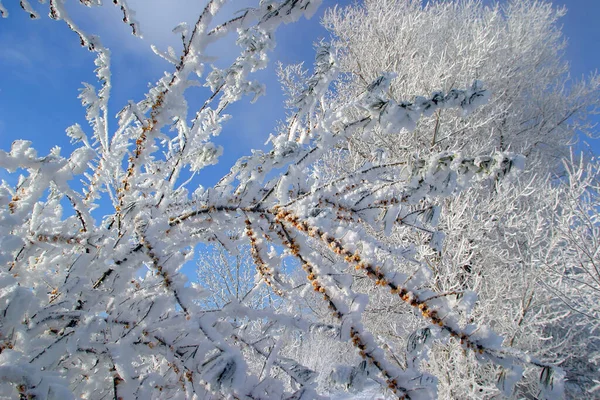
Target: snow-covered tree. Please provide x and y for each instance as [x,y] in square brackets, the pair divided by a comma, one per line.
[227,277]
[497,237]
[100,308]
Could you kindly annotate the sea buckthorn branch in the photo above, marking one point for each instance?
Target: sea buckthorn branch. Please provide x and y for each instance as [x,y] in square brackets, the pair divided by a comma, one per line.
[336,128]
[433,308]
[198,41]
[195,46]
[81,213]
[207,122]
[58,12]
[439,176]
[351,185]
[58,238]
[265,224]
[41,170]
[400,382]
[26,6]
[266,272]
[420,180]
[201,210]
[382,112]
[163,272]
[127,15]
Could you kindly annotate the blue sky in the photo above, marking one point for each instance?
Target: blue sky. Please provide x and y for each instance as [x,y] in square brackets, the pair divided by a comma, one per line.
[582,28]
[42,67]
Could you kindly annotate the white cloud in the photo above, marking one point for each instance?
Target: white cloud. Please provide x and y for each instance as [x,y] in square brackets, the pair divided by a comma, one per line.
[156,19]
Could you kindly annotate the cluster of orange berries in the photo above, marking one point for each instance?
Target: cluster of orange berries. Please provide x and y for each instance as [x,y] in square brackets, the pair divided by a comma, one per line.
[290,244]
[390,380]
[135,283]
[12,206]
[334,244]
[141,139]
[261,266]
[288,216]
[349,187]
[156,263]
[359,344]
[5,345]
[22,389]
[317,287]
[93,181]
[387,202]
[157,104]
[173,365]
[57,238]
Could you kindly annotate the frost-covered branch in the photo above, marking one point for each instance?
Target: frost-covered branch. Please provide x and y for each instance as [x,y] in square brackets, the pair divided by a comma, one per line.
[105,308]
